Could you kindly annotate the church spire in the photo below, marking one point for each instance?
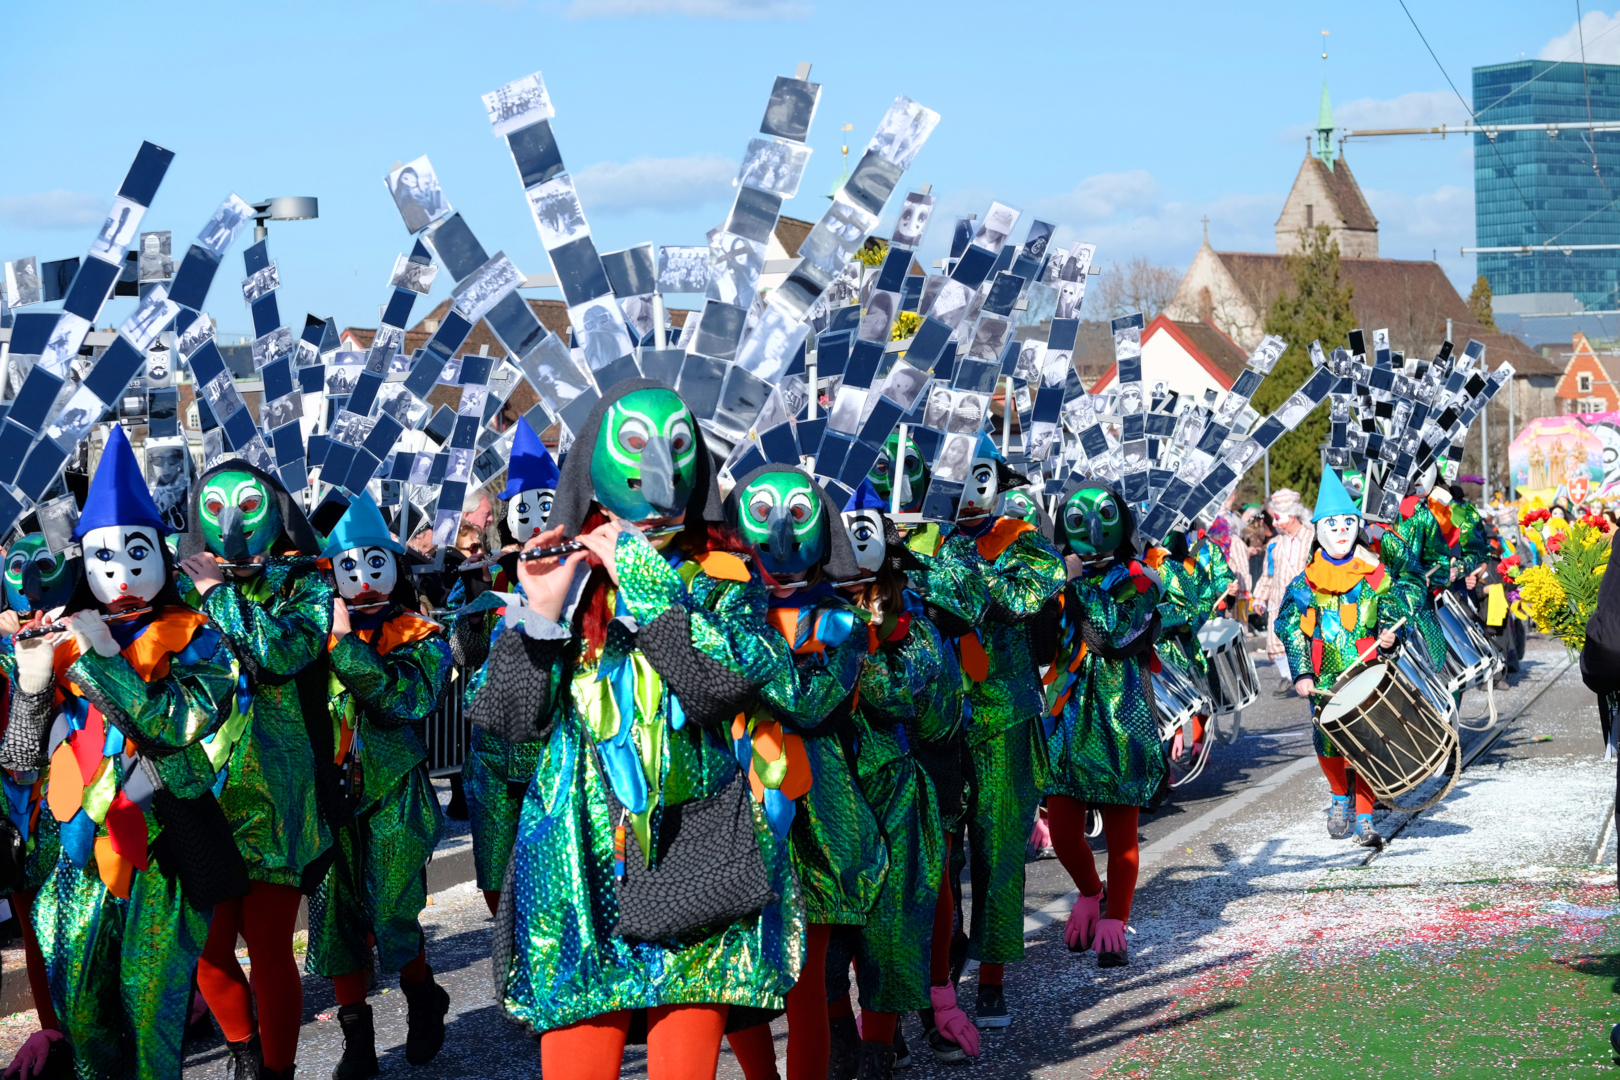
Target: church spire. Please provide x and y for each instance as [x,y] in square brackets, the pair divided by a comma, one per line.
[1324,115]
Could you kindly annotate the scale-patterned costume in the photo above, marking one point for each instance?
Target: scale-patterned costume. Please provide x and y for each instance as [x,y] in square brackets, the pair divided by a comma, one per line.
[910,695]
[1332,613]
[1419,550]
[118,936]
[1104,743]
[701,622]
[987,584]
[386,676]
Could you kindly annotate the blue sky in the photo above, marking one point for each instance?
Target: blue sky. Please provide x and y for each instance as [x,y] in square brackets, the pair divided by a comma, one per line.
[1125,122]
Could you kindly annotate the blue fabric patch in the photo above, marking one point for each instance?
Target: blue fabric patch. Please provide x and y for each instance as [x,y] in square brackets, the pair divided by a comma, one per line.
[79,839]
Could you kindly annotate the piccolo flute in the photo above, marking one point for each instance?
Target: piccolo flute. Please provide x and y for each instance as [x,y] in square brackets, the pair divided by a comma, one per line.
[58,627]
[574,545]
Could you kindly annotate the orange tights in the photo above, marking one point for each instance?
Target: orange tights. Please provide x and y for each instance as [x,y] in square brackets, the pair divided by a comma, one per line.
[1068,820]
[683,1043]
[1339,781]
[809,1038]
[265,918]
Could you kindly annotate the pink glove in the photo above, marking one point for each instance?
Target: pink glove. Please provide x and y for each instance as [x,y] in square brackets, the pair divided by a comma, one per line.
[30,1060]
[1110,936]
[952,1021]
[1041,837]
[1082,924]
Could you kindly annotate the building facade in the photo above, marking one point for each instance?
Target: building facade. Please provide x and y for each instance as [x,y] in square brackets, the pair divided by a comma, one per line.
[1530,188]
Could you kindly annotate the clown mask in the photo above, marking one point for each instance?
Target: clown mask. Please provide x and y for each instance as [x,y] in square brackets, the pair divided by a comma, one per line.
[1337,534]
[644,464]
[911,478]
[979,495]
[865,530]
[125,565]
[366,575]
[527,513]
[782,517]
[1092,522]
[240,518]
[36,579]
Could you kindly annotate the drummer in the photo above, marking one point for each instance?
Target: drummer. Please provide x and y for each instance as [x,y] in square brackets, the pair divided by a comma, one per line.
[1328,617]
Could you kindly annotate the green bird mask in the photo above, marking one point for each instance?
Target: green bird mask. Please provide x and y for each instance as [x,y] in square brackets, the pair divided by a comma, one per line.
[239,516]
[781,515]
[913,480]
[1093,522]
[644,464]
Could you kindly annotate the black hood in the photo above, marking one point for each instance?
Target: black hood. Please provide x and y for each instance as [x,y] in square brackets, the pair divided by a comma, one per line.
[296,532]
[838,562]
[576,492]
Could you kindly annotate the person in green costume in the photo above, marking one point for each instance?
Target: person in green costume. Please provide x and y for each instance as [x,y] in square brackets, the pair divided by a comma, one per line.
[837,848]
[631,662]
[275,606]
[986,582]
[135,708]
[389,669]
[1102,738]
[1419,550]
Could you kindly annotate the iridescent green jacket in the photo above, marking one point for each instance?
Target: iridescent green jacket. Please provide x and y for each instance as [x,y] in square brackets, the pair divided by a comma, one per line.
[1417,552]
[991,583]
[1102,737]
[560,961]
[277,623]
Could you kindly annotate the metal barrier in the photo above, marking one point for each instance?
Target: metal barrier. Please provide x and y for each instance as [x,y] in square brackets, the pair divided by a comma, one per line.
[447,731]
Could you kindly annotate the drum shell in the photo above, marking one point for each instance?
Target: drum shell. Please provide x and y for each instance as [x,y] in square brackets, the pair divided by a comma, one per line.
[1234,684]
[1394,738]
[1176,699]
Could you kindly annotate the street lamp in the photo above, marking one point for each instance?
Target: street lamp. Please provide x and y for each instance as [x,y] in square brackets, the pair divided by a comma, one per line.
[286,208]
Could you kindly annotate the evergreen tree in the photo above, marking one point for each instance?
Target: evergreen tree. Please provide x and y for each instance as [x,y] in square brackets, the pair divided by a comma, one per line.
[1479,302]
[1317,309]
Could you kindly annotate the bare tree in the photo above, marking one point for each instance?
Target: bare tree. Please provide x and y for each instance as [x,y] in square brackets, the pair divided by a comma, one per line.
[1138,285]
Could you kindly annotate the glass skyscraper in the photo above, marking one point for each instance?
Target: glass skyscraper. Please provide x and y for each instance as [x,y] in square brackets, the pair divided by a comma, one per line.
[1531,189]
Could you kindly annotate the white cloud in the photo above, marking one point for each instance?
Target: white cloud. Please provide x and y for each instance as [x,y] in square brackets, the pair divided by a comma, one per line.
[1602,45]
[1425,108]
[59,209]
[699,9]
[1102,196]
[655,183]
[1442,218]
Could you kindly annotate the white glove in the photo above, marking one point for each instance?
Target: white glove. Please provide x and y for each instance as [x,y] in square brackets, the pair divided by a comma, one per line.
[36,664]
[92,634]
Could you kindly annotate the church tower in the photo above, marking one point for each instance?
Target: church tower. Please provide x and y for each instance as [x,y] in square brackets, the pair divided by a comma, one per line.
[1326,193]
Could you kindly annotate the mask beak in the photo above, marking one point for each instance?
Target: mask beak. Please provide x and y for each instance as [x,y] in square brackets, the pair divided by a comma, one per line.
[1094,531]
[779,529]
[658,476]
[905,489]
[32,586]
[232,540]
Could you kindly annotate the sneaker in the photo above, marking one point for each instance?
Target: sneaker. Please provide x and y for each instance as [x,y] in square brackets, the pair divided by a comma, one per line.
[943,1049]
[990,1008]
[1284,690]
[1366,835]
[1339,817]
[902,1052]
[1112,958]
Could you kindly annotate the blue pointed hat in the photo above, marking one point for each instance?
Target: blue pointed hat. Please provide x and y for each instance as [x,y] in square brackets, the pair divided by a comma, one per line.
[361,525]
[530,467]
[987,449]
[865,497]
[1332,499]
[118,495]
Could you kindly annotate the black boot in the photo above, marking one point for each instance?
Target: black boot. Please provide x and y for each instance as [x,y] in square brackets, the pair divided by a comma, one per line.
[246,1061]
[424,1023]
[902,1052]
[876,1061]
[359,1061]
[844,1049]
[284,1074]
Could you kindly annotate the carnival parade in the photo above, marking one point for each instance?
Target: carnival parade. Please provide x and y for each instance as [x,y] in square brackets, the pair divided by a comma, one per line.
[821,647]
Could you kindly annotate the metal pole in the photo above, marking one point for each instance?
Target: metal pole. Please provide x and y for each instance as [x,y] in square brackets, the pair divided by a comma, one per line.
[1485,451]
[1268,475]
[658,320]
[899,467]
[1006,417]
[1508,487]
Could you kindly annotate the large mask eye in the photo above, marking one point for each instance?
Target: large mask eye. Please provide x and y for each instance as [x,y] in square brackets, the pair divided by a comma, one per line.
[1074,518]
[1107,512]
[633,435]
[882,466]
[982,475]
[760,509]
[863,532]
[214,505]
[139,552]
[15,564]
[800,507]
[680,436]
[347,563]
[376,561]
[523,507]
[250,503]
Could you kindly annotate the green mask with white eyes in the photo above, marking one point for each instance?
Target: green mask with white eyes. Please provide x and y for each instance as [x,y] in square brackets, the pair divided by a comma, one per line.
[781,515]
[27,558]
[913,478]
[644,464]
[1092,522]
[239,515]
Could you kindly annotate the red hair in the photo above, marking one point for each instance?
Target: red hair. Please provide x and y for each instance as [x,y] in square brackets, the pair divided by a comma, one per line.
[593,615]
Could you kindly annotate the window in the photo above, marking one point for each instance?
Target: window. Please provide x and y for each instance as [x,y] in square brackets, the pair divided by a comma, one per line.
[1310,216]
[1583,382]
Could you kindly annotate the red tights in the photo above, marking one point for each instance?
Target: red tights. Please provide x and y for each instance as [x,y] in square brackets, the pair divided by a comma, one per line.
[39,981]
[1068,821]
[1339,781]
[265,918]
[350,989]
[939,945]
[683,1043]
[809,1039]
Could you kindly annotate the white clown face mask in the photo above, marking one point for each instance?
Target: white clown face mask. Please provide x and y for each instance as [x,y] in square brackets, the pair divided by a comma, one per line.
[527,513]
[979,495]
[1337,534]
[865,529]
[124,564]
[365,574]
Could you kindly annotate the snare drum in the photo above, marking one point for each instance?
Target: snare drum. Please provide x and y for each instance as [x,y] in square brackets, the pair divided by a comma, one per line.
[1176,701]
[1390,732]
[1470,657]
[1234,684]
